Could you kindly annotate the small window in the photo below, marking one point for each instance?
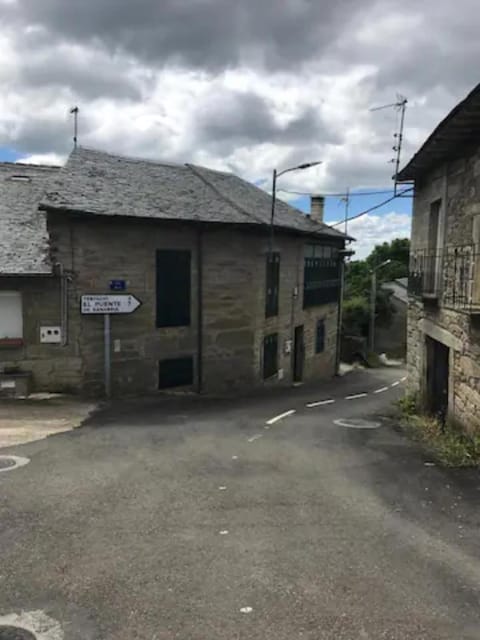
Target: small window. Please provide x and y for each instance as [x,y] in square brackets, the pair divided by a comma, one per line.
[11,317]
[320,337]
[272,284]
[19,178]
[175,372]
[270,355]
[173,288]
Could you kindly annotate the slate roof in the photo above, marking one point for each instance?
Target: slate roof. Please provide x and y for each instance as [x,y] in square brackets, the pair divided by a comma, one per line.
[100,183]
[459,129]
[23,229]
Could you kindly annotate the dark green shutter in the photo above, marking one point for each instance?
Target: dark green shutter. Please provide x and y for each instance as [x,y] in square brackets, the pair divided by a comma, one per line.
[175,372]
[173,288]
[272,284]
[270,355]
[320,336]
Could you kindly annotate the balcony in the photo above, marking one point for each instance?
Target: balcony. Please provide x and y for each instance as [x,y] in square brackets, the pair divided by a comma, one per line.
[448,277]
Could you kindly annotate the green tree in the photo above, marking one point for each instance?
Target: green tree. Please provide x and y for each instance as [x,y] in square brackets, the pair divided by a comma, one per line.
[358,283]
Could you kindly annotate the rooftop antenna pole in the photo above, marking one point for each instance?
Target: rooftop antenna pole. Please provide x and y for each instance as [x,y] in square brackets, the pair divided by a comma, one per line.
[402,104]
[75,111]
[399,105]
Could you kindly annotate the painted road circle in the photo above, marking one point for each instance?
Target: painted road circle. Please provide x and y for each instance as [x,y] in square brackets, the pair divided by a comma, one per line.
[357,423]
[8,632]
[9,463]
[6,463]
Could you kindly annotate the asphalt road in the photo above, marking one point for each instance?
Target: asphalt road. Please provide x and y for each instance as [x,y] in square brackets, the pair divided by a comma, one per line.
[188,519]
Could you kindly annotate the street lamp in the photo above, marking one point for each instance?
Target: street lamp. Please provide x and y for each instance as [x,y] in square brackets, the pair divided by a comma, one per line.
[373,297]
[300,167]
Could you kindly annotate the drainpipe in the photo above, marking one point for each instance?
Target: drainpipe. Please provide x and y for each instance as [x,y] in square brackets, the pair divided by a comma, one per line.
[63,303]
[199,310]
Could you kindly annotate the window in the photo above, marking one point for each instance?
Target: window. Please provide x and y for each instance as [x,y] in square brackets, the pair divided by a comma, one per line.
[321,279]
[320,336]
[11,317]
[272,284]
[270,355]
[434,224]
[173,288]
[175,372]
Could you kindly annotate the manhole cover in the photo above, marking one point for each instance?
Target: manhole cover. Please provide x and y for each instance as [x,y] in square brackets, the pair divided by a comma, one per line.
[8,463]
[357,423]
[5,463]
[15,633]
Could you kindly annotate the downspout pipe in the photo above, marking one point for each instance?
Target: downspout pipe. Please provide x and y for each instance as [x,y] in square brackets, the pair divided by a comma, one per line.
[199,310]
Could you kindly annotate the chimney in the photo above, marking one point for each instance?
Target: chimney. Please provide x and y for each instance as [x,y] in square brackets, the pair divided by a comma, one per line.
[317,204]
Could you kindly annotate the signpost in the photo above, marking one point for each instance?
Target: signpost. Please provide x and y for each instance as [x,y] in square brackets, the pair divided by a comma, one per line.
[107,304]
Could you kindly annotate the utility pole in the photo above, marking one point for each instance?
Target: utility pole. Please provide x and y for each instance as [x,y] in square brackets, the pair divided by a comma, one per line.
[347,205]
[373,299]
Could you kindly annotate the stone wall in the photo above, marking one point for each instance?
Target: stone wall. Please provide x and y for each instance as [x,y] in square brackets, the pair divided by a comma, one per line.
[457,183]
[92,251]
[54,367]
[291,314]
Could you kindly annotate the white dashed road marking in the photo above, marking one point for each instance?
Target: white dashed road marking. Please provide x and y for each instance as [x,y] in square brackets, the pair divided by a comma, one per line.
[356,395]
[224,532]
[281,416]
[222,488]
[320,403]
[381,390]
[403,379]
[395,384]
[255,437]
[234,457]
[246,610]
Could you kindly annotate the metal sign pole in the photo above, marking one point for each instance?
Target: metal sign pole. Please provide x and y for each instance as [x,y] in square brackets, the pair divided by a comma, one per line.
[107,354]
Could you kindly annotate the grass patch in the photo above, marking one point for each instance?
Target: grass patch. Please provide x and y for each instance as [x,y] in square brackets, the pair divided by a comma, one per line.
[447,444]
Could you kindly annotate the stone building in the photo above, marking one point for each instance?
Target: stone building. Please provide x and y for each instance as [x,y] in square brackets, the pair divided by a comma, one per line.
[444,294]
[222,307]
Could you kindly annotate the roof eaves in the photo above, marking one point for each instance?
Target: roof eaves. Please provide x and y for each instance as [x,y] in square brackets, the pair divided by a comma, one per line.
[425,156]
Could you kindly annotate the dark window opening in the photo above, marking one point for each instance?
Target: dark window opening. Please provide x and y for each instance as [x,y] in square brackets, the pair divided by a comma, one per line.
[272,284]
[320,337]
[270,355]
[173,288]
[176,372]
[321,284]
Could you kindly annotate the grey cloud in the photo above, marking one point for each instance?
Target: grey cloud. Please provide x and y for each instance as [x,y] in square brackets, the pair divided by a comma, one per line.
[210,34]
[54,70]
[40,135]
[232,119]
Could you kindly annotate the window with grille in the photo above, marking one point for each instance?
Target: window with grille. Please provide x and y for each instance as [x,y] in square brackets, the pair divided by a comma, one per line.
[173,288]
[270,355]
[321,283]
[320,336]
[272,284]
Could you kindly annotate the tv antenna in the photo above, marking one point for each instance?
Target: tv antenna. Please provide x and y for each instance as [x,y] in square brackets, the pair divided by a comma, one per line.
[400,106]
[74,111]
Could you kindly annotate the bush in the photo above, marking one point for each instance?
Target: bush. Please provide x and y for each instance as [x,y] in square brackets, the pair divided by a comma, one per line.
[449,446]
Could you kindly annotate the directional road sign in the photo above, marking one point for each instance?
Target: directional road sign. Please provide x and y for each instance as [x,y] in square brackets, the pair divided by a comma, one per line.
[109,303]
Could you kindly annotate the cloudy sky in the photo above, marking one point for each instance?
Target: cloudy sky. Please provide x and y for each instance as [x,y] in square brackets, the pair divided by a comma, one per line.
[242,85]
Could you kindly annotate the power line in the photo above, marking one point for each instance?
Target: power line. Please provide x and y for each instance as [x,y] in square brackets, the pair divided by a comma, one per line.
[377,206]
[339,195]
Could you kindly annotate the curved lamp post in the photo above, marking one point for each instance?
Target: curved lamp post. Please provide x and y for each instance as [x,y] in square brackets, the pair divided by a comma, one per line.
[373,297]
[277,174]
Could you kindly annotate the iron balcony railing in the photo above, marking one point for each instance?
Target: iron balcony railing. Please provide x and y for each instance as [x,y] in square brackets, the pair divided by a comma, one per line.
[450,276]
